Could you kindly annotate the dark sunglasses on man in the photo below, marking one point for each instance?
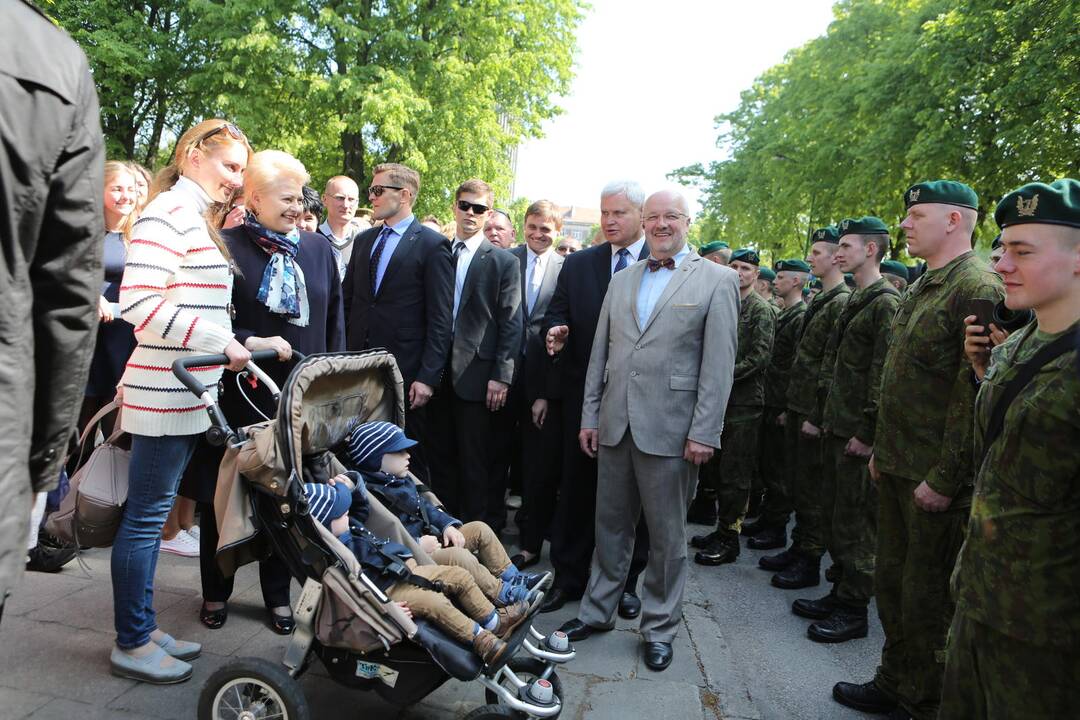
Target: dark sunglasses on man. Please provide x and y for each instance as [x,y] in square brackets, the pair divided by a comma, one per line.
[378,190]
[476,208]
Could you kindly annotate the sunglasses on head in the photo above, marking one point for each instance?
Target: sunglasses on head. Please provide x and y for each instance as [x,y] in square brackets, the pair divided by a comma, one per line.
[378,190]
[235,132]
[477,209]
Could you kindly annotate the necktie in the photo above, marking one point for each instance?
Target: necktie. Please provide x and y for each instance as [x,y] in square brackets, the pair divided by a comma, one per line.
[623,261]
[655,265]
[458,247]
[376,255]
[533,283]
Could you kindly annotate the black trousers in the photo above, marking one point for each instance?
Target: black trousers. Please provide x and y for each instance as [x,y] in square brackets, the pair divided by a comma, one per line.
[573,535]
[274,577]
[541,462]
[459,444]
[505,456]
[416,428]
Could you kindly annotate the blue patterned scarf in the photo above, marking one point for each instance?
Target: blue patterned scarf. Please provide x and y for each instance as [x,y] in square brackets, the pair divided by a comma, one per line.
[282,287]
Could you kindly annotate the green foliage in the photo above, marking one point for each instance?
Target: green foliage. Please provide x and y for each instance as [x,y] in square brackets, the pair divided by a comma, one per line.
[896,91]
[446,86]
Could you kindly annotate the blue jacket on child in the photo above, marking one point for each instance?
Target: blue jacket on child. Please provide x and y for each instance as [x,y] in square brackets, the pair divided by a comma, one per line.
[401,497]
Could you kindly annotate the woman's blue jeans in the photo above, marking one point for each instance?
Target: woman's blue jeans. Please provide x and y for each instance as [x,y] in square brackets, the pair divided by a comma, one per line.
[157,464]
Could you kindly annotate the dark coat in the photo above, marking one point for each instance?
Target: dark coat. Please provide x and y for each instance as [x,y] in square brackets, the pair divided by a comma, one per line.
[400,497]
[488,331]
[375,554]
[412,314]
[537,377]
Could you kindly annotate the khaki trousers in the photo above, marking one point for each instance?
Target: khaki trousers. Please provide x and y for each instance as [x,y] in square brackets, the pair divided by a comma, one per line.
[459,587]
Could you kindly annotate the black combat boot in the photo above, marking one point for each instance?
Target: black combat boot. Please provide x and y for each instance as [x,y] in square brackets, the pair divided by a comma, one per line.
[752,528]
[802,573]
[866,697]
[779,561]
[845,623]
[702,510]
[815,609]
[832,574]
[703,541]
[723,549]
[768,539]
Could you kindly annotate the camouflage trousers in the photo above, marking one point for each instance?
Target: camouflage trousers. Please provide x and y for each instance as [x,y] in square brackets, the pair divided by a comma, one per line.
[916,552]
[853,534]
[991,676]
[730,475]
[810,534]
[775,471]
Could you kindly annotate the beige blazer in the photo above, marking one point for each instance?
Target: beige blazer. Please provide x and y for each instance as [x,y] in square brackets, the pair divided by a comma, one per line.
[669,382]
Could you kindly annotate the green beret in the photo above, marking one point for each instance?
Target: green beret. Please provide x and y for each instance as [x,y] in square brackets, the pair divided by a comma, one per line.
[996,243]
[766,274]
[947,192]
[815,284]
[746,255]
[1055,204]
[849,280]
[710,248]
[893,267]
[826,234]
[868,225]
[792,266]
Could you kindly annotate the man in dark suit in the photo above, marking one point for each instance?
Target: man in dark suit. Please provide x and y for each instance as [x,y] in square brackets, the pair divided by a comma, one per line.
[569,327]
[486,342]
[536,402]
[398,293]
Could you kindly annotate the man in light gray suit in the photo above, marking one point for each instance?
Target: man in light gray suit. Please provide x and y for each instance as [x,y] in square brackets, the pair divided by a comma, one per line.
[657,387]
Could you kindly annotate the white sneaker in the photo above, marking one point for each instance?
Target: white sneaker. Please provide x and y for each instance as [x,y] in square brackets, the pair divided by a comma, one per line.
[193,531]
[182,544]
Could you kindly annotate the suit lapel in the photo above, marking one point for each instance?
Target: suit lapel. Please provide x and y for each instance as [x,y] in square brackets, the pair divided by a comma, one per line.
[602,268]
[361,260]
[404,248]
[477,266]
[547,285]
[682,273]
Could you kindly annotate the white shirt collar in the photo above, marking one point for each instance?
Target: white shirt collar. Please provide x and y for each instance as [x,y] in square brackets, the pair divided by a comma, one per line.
[681,255]
[471,244]
[542,256]
[634,249]
[193,190]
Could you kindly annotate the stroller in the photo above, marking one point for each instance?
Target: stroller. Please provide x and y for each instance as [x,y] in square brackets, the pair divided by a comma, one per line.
[363,639]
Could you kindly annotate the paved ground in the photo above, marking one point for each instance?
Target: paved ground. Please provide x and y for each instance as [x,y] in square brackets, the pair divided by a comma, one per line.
[741,654]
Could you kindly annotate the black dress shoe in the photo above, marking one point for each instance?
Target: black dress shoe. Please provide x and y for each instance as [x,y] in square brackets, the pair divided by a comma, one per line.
[556,599]
[832,574]
[703,541]
[752,528]
[866,697]
[520,561]
[724,549]
[778,562]
[629,606]
[768,539]
[577,630]
[899,713]
[815,609]
[843,625]
[281,624]
[802,573]
[658,655]
[213,619]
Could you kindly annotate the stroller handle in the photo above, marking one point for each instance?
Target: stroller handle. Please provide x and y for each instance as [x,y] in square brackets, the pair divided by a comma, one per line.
[219,431]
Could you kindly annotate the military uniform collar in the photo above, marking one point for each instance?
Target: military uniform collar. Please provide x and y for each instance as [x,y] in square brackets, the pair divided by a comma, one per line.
[941,274]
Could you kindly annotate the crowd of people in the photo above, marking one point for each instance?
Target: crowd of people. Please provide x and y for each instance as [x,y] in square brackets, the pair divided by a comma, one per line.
[610,395]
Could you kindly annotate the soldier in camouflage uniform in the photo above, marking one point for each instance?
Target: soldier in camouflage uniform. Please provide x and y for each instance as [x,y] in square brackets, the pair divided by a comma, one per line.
[847,424]
[739,440]
[799,565]
[770,529]
[1014,643]
[923,450]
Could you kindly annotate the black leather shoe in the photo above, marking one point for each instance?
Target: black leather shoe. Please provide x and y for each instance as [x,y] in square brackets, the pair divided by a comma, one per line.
[768,539]
[865,697]
[724,549]
[629,606]
[899,713]
[752,528]
[213,619]
[702,510]
[556,599]
[281,624]
[832,574]
[779,561]
[815,609]
[521,562]
[703,541]
[802,573]
[843,625]
[577,630]
[658,655]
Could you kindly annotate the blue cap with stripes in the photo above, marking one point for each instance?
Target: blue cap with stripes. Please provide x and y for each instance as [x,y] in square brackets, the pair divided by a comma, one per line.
[368,442]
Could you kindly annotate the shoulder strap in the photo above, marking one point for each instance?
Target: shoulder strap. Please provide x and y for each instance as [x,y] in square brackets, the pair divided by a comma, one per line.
[852,310]
[1024,375]
[399,506]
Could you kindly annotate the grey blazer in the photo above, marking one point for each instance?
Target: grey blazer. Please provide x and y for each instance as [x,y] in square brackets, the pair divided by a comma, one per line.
[670,382]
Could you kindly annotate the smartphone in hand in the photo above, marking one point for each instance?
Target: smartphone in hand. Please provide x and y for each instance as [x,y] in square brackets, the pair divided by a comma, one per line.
[983,310]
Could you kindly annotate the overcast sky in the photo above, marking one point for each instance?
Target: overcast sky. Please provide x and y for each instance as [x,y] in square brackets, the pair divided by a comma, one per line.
[651,77]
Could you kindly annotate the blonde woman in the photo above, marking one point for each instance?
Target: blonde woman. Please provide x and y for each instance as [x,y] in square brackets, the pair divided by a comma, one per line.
[176,291]
[143,178]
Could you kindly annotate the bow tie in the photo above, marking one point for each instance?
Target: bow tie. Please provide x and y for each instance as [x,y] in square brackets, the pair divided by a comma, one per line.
[655,264]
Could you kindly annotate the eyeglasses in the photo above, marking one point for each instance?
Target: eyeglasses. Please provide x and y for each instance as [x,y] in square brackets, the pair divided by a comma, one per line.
[477,209]
[235,132]
[347,198]
[668,218]
[378,190]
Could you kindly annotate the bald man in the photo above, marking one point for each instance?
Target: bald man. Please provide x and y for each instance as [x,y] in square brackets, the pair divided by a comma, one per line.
[341,198]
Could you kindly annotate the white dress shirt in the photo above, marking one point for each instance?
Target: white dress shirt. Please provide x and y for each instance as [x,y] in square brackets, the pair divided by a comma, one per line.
[653,284]
[534,275]
[463,261]
[634,250]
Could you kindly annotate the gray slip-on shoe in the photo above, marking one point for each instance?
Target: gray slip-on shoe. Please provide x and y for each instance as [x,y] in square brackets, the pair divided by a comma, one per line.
[179,649]
[156,668]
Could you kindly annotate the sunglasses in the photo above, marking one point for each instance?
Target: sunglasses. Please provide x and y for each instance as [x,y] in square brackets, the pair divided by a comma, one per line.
[466,206]
[235,132]
[378,190]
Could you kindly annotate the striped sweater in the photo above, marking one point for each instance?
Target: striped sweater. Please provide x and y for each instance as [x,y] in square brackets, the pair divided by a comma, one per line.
[176,291]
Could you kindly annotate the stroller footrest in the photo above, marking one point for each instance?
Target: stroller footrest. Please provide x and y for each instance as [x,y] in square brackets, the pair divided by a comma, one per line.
[457,660]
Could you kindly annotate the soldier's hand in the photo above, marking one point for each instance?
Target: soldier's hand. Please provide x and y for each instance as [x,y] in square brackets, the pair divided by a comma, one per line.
[697,453]
[556,339]
[930,500]
[857,448]
[539,412]
[590,441]
[874,474]
[977,346]
[810,430]
[781,419]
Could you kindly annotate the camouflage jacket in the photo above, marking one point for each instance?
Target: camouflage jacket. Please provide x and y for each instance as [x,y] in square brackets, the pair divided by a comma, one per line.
[925,420]
[788,325]
[815,328]
[757,325]
[1019,569]
[857,349]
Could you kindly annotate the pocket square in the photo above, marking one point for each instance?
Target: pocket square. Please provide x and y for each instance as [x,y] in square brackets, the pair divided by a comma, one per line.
[685,305]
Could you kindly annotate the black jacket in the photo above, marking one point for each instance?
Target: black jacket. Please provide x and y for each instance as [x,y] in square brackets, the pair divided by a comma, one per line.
[376,554]
[412,314]
[536,375]
[400,497]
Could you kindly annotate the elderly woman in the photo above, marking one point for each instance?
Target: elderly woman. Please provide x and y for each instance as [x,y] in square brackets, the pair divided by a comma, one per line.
[286,295]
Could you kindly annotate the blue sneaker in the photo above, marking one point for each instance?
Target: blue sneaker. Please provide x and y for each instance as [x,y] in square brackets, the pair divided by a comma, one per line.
[511,592]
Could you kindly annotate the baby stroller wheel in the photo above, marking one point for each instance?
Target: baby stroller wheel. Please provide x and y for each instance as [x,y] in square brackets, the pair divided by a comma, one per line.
[527,669]
[252,689]
[491,712]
